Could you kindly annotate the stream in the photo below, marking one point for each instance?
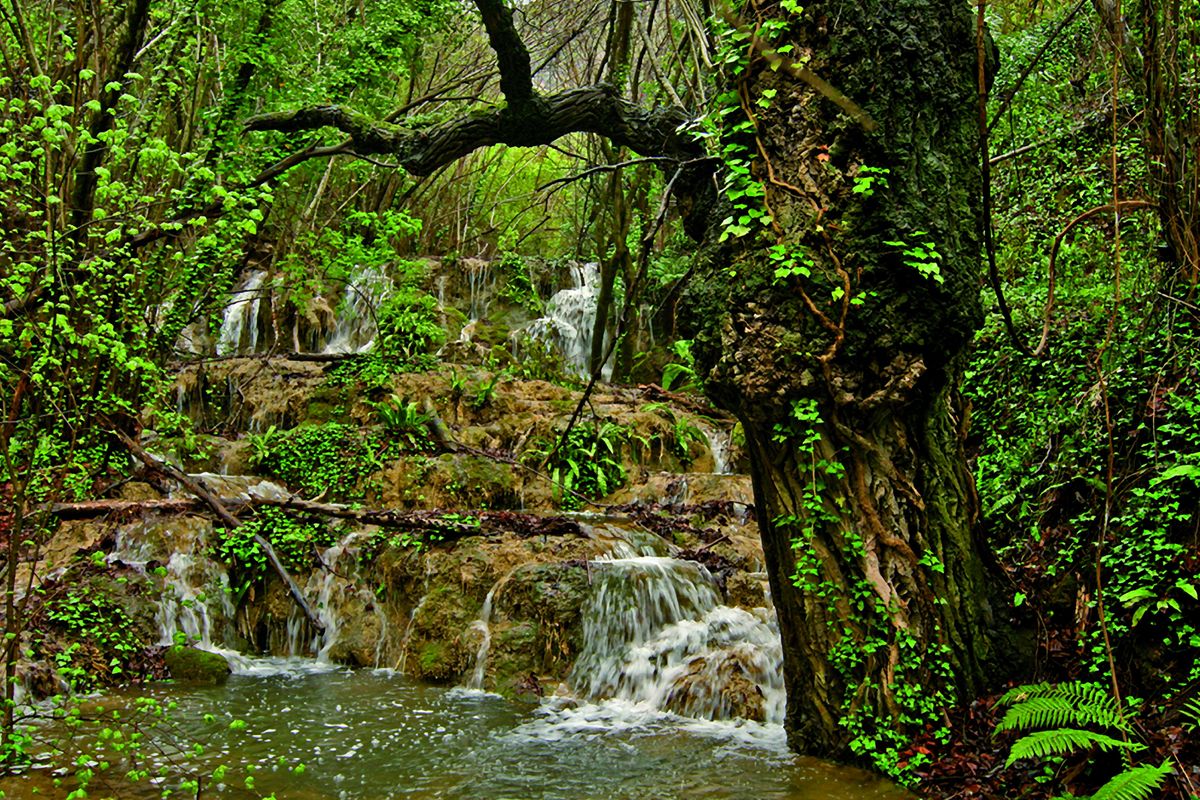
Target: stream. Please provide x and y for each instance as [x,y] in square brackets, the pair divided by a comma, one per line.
[374,734]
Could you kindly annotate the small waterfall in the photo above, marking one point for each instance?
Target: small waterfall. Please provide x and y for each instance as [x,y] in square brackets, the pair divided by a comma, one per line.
[354,329]
[570,318]
[719,444]
[483,626]
[481,283]
[239,324]
[657,636]
[196,600]
[336,593]
[327,584]
[402,661]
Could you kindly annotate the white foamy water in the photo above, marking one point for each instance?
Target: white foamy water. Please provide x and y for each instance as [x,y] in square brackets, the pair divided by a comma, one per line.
[239,322]
[354,330]
[570,319]
[658,639]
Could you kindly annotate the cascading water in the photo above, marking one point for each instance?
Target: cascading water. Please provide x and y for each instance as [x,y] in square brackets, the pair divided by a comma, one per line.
[335,586]
[354,330]
[719,444]
[656,636]
[195,605]
[570,319]
[480,286]
[483,626]
[239,323]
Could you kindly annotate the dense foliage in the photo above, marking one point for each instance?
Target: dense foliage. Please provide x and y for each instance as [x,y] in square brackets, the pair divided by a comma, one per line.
[134,208]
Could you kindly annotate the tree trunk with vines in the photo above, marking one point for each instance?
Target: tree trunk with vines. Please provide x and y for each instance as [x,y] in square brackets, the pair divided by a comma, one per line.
[836,336]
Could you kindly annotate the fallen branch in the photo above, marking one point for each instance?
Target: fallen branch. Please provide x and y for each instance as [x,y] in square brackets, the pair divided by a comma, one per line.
[91,509]
[197,488]
[457,525]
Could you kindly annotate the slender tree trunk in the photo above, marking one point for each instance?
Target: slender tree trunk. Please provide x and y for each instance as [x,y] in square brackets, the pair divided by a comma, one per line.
[836,336]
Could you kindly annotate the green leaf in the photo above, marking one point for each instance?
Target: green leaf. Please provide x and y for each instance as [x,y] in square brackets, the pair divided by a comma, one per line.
[1134,595]
[1063,741]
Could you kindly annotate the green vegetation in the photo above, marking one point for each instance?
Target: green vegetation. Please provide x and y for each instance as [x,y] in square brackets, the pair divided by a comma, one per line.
[1061,719]
[297,543]
[585,463]
[958,493]
[335,459]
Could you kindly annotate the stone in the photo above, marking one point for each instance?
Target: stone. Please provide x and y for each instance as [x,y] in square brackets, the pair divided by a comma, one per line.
[193,665]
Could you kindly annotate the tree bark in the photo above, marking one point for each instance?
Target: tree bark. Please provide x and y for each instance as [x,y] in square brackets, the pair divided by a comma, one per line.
[843,367]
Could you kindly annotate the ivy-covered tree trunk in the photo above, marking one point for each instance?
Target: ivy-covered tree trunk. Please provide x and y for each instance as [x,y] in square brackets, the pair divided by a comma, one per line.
[835,316]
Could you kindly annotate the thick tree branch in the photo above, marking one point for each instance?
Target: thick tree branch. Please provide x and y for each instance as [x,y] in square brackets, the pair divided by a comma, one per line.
[516,74]
[593,109]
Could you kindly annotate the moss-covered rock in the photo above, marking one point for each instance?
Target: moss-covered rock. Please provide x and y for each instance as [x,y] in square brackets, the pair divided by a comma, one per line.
[196,666]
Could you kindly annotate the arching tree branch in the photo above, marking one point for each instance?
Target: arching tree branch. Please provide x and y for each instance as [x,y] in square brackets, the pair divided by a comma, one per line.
[593,109]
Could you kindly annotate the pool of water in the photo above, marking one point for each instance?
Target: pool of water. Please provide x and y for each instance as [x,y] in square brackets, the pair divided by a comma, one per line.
[313,732]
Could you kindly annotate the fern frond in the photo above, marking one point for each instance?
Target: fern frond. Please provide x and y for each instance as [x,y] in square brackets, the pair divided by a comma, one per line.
[1137,783]
[1191,710]
[1062,741]
[1061,712]
[1073,704]
[1024,692]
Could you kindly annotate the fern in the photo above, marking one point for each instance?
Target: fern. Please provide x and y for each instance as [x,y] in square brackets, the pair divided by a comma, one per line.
[1063,711]
[1062,741]
[1191,710]
[1058,711]
[1136,783]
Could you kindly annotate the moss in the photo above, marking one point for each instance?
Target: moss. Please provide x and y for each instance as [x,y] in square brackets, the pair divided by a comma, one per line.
[515,655]
[196,666]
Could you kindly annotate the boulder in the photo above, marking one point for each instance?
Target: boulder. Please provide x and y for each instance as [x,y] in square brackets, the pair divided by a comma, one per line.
[193,665]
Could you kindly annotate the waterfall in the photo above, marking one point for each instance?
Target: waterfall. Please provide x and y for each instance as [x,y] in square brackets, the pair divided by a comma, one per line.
[656,636]
[402,661]
[195,602]
[483,626]
[480,285]
[719,444]
[570,319]
[239,323]
[354,329]
[338,595]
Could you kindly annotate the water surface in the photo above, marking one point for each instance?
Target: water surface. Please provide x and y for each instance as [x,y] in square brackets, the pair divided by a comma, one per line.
[375,735]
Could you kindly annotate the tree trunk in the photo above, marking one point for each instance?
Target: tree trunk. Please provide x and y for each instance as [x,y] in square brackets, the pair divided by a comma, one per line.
[835,332]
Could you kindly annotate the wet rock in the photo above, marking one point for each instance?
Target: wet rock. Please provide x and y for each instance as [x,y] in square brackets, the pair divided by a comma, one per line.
[358,636]
[718,686]
[448,481]
[746,590]
[196,666]
[693,488]
[138,491]
[441,650]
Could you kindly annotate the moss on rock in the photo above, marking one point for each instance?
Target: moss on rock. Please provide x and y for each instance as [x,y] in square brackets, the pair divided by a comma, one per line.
[196,666]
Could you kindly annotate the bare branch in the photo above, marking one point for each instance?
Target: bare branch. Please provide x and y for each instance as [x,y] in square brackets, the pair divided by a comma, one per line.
[516,74]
